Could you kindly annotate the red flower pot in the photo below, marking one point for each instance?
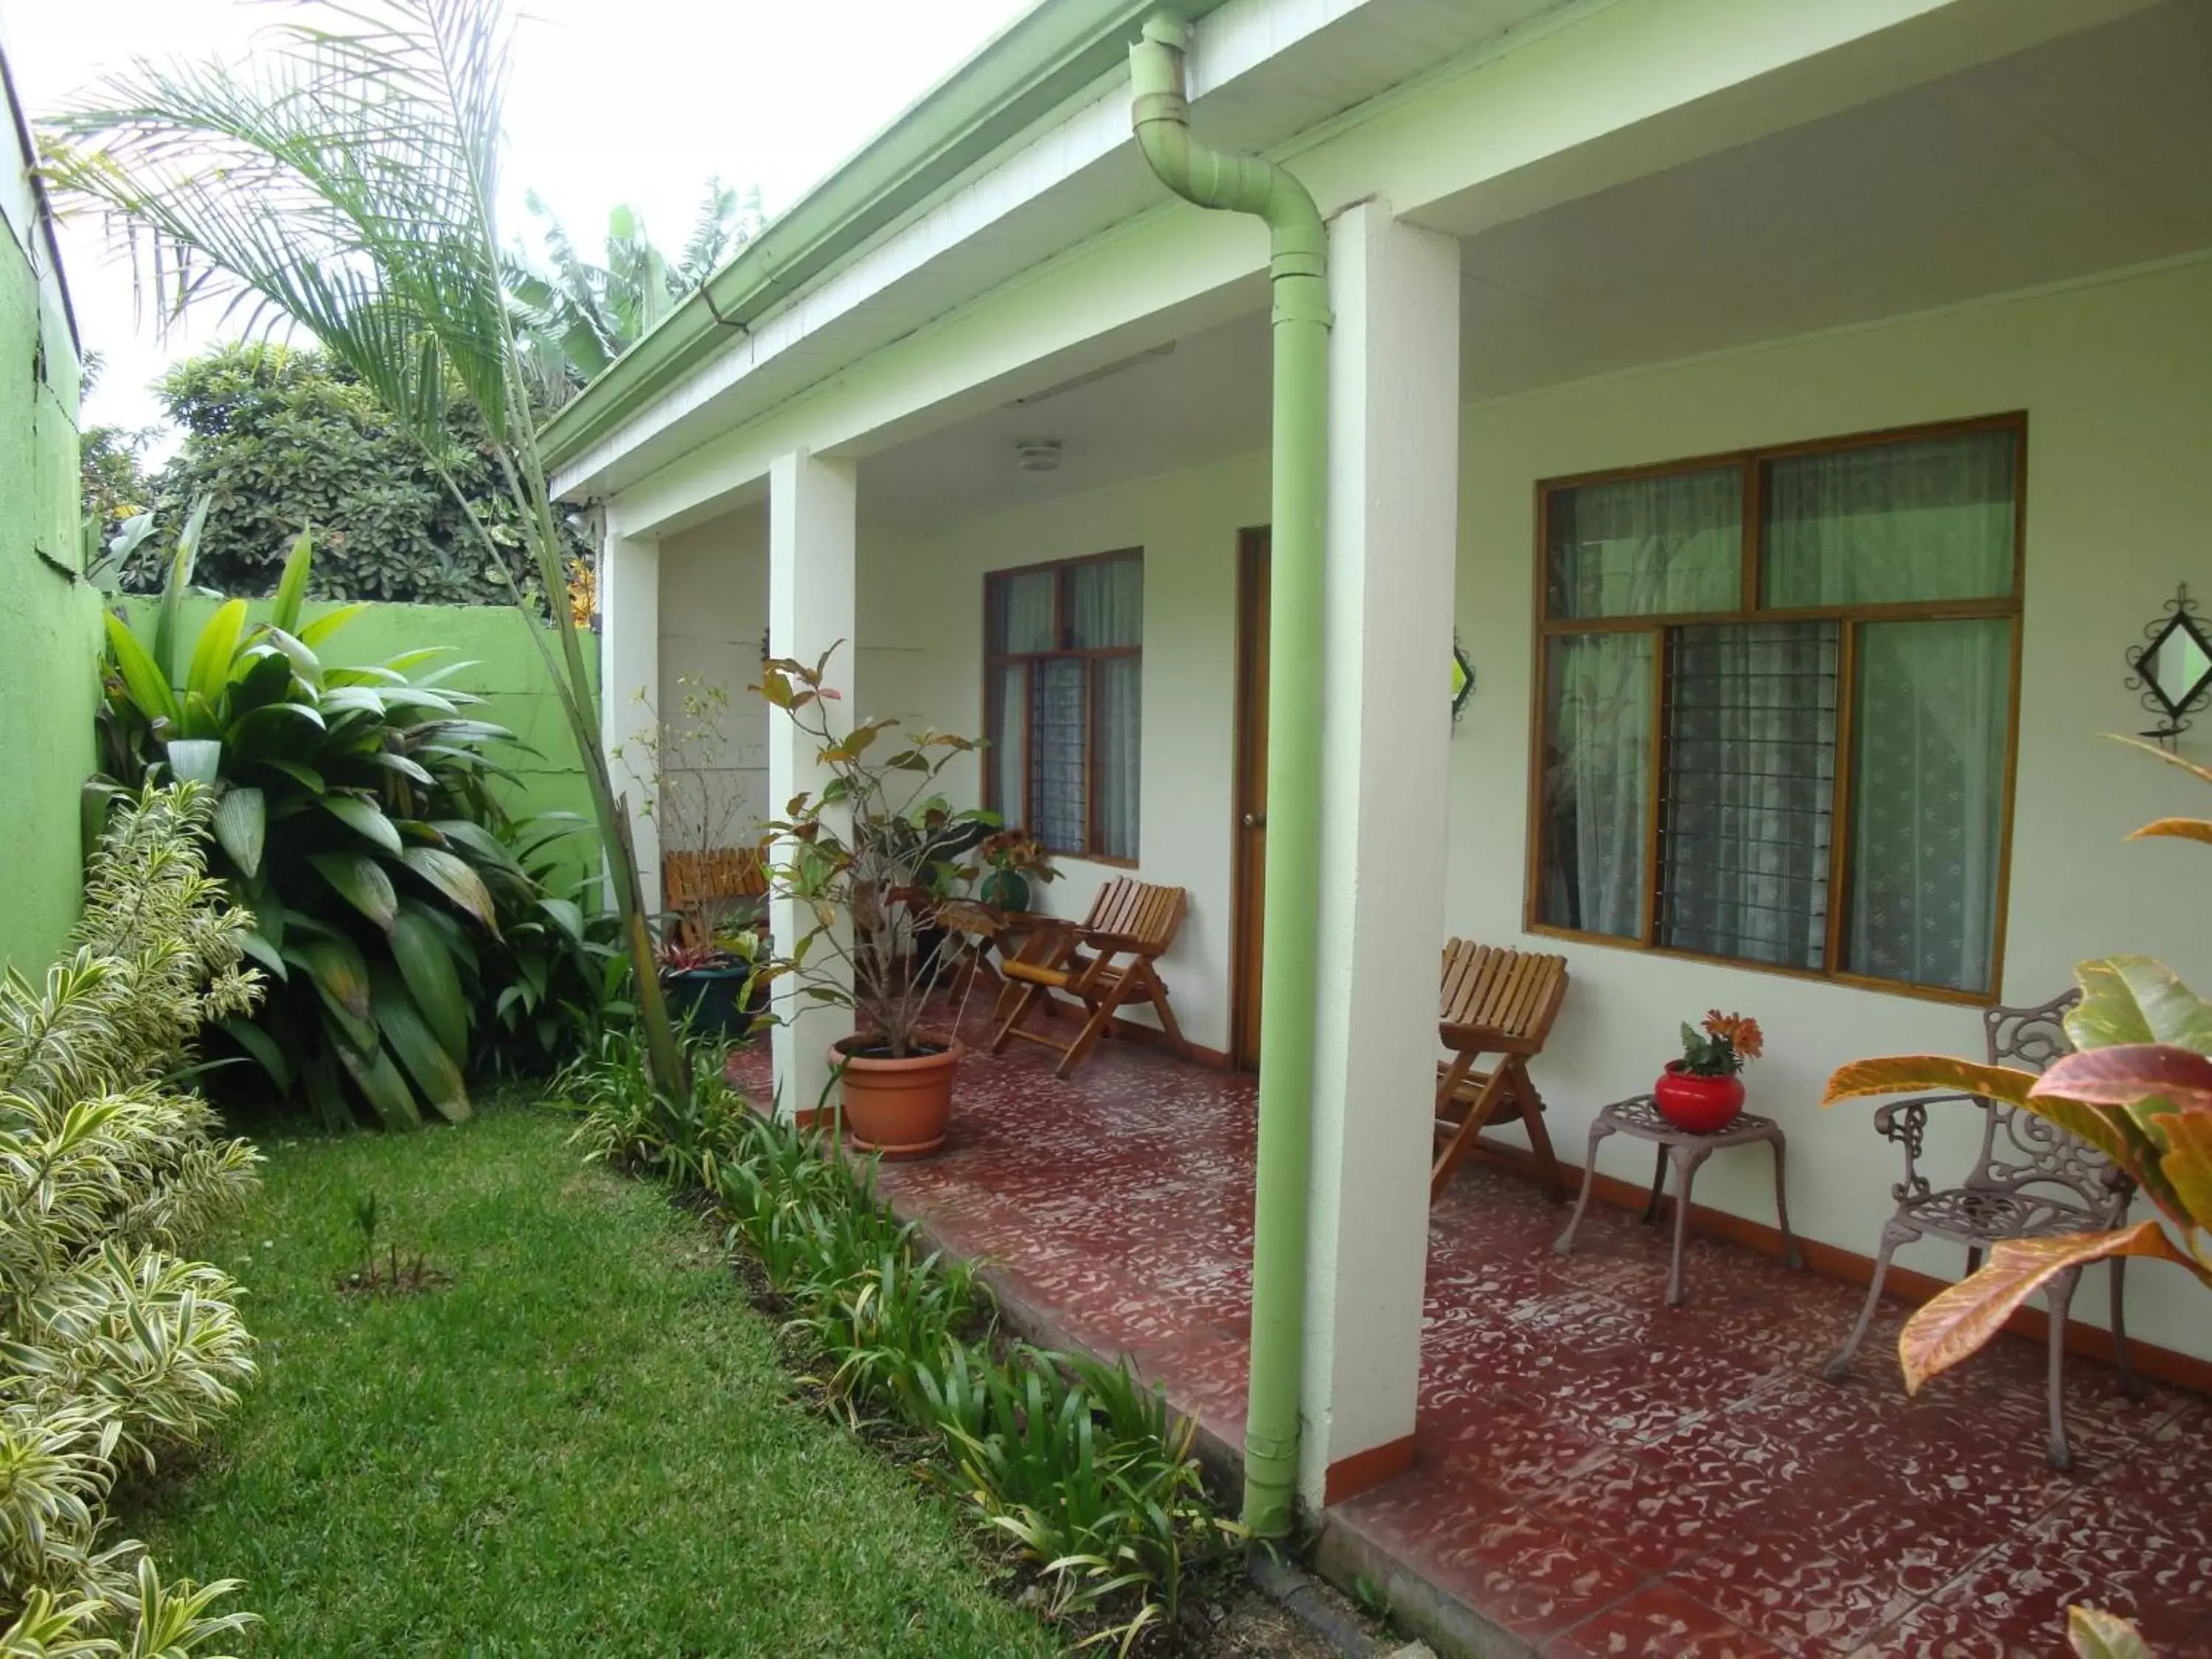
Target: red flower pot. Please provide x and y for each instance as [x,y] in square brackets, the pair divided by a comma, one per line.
[1703,1105]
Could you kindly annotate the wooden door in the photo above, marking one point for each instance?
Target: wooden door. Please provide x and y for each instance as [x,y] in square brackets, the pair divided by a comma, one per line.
[1251,793]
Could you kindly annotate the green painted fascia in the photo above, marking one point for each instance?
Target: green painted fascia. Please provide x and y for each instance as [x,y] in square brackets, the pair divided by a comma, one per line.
[1044,57]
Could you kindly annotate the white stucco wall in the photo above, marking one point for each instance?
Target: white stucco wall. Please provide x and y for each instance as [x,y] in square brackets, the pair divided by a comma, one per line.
[921,623]
[2117,380]
[713,612]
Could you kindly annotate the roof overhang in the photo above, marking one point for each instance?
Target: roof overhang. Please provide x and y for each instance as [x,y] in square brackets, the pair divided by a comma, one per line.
[1047,56]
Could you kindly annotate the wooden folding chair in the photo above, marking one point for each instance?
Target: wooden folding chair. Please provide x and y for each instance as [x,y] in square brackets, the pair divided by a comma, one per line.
[702,889]
[1500,1003]
[1105,963]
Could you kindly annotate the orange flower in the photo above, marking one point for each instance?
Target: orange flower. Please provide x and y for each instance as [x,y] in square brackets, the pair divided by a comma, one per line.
[1740,1032]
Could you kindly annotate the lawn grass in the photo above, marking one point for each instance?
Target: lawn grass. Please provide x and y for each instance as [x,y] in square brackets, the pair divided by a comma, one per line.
[584,1444]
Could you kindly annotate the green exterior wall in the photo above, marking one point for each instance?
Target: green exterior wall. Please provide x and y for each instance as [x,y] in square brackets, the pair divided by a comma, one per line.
[507,673]
[49,615]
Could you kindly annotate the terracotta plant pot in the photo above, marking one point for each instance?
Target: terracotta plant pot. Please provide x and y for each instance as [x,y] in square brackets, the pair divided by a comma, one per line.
[898,1107]
[1703,1105]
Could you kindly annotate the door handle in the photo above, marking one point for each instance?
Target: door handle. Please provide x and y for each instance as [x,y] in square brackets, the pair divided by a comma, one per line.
[1255,820]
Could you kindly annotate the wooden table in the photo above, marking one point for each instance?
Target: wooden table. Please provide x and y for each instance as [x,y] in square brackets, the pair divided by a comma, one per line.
[985,927]
[1686,1151]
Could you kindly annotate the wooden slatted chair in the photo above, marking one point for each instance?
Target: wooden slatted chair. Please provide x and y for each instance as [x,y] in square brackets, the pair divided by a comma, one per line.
[1500,1003]
[1106,963]
[703,888]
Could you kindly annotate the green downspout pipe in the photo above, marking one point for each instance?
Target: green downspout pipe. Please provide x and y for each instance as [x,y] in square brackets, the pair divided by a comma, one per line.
[1298,263]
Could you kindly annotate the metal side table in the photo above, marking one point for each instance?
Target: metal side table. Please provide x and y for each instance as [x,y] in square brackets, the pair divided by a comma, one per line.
[1639,1116]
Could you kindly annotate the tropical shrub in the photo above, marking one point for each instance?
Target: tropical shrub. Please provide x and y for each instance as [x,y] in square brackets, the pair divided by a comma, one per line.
[280,436]
[344,179]
[407,924]
[2138,1087]
[119,1349]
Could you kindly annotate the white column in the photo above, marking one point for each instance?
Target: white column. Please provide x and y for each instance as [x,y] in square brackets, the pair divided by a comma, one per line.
[811,551]
[1392,547]
[629,687]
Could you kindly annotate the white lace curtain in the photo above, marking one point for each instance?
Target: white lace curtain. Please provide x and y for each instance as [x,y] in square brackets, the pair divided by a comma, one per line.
[1670,545]
[1596,798]
[1753,714]
[1064,726]
[1928,520]
[1928,794]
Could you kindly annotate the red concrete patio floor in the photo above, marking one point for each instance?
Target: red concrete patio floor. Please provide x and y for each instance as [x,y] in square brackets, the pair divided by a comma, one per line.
[1597,1473]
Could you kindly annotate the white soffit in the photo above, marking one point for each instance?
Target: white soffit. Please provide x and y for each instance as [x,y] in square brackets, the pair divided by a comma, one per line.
[1262,72]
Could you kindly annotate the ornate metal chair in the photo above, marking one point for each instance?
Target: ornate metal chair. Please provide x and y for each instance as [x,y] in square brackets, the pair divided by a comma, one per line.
[2031,1180]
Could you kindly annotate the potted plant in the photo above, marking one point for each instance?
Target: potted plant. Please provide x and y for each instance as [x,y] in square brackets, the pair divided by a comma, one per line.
[1703,1091]
[705,985]
[749,946]
[1015,858]
[696,794]
[871,856]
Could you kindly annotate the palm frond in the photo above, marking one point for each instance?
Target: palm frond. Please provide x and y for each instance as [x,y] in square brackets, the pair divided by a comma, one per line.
[342,179]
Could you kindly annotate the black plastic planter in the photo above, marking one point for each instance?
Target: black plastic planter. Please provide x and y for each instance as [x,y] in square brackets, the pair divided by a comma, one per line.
[704,1000]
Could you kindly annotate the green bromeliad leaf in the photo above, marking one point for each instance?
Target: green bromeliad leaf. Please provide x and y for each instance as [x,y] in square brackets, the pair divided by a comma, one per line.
[365,818]
[334,966]
[378,1078]
[360,882]
[292,585]
[425,961]
[196,760]
[212,655]
[314,633]
[424,1056]
[148,686]
[263,1047]
[456,878]
[241,824]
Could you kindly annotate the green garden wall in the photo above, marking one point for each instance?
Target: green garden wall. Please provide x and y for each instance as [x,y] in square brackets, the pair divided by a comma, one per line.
[49,615]
[507,672]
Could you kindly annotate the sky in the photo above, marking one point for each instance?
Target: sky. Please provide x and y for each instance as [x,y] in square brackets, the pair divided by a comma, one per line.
[635,102]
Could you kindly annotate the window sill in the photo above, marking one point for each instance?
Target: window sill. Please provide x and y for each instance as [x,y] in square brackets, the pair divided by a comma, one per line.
[1847,982]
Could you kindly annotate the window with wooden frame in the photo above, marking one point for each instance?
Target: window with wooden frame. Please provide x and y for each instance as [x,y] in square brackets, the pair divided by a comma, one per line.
[1775,706]
[1063,700]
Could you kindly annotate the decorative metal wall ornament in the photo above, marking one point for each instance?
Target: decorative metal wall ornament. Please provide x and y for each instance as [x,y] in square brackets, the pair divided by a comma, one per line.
[2173,670]
[1462,678]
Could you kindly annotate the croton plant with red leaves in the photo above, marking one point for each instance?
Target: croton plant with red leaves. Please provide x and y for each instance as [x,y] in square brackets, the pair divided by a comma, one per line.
[2138,1087]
